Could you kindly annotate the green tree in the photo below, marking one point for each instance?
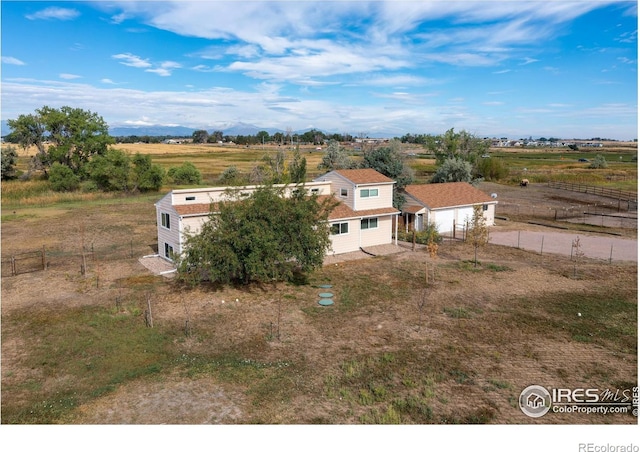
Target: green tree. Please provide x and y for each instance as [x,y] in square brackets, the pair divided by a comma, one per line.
[146,175]
[453,170]
[263,238]
[452,144]
[111,171]
[62,178]
[392,163]
[335,158]
[297,168]
[262,137]
[477,232]
[200,136]
[75,135]
[185,174]
[9,161]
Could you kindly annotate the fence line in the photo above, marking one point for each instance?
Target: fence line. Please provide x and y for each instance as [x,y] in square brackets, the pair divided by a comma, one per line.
[596,190]
[32,261]
[613,249]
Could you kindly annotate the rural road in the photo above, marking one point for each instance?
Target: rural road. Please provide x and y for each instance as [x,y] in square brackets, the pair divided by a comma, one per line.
[596,247]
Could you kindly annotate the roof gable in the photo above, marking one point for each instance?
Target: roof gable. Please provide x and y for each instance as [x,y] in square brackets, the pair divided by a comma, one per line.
[447,194]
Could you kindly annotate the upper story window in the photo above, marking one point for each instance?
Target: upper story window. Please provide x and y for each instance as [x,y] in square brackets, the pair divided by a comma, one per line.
[485,207]
[166,220]
[190,198]
[344,192]
[369,193]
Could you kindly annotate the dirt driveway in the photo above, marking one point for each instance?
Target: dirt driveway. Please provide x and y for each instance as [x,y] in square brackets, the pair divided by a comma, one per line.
[545,241]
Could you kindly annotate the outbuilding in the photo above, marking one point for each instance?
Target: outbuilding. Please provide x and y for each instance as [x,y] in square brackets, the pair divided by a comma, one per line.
[448,205]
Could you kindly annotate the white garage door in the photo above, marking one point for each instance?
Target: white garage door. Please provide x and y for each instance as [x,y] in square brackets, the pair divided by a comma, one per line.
[464,214]
[443,219]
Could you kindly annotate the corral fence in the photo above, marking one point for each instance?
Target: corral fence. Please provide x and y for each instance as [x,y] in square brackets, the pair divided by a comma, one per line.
[627,200]
[596,214]
[38,260]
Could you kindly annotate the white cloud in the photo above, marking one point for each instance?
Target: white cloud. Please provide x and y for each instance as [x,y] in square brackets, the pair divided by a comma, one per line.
[65,76]
[160,71]
[129,59]
[108,81]
[54,13]
[12,60]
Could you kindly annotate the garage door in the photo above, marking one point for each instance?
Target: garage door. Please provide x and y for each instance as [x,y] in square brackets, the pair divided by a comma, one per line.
[464,214]
[443,219]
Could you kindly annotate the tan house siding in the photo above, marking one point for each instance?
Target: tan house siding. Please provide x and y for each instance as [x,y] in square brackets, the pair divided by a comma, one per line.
[384,198]
[345,243]
[337,185]
[189,209]
[378,236]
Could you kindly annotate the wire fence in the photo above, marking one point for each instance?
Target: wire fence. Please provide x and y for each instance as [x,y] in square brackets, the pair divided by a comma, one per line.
[562,243]
[38,260]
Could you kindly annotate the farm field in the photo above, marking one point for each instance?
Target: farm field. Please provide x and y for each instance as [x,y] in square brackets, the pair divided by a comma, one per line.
[395,348]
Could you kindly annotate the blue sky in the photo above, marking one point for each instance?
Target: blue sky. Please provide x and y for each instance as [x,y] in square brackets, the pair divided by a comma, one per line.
[501,68]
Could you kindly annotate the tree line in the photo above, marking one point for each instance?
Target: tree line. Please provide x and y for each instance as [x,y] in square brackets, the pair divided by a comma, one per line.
[74,150]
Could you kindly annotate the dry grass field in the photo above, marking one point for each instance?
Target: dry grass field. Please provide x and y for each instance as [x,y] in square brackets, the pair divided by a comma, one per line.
[393,349]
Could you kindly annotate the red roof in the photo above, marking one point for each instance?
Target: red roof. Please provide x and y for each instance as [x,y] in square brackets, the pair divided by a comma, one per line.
[364,176]
[448,194]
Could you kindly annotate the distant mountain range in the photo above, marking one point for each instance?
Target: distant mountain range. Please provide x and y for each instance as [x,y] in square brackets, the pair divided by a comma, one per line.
[180,131]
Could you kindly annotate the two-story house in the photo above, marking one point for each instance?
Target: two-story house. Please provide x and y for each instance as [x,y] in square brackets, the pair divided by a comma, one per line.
[364,217]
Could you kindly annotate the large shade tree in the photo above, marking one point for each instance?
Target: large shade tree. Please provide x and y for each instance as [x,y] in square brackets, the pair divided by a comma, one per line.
[73,136]
[265,237]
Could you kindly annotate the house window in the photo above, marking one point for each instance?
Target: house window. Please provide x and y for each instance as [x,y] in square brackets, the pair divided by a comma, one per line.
[369,193]
[485,207]
[343,192]
[168,250]
[369,223]
[339,228]
[315,191]
[190,198]
[166,220]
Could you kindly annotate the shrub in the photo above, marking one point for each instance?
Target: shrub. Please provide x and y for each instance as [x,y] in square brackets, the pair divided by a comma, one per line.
[453,170]
[110,171]
[147,177]
[9,160]
[62,178]
[492,169]
[185,174]
[598,162]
